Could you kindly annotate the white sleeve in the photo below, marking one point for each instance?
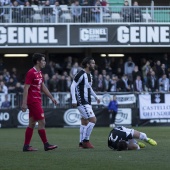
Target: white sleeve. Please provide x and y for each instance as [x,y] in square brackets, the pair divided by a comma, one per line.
[73,88]
[93,93]
[73,93]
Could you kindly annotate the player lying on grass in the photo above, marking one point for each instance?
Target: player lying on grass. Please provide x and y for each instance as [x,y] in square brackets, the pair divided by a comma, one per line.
[122,138]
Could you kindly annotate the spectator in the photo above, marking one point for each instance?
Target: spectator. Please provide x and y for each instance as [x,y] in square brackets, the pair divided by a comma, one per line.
[145,71]
[158,70]
[46,80]
[136,73]
[18,90]
[57,12]
[95,79]
[164,83]
[166,61]
[4,88]
[129,67]
[113,84]
[74,70]
[126,12]
[6,104]
[96,11]
[136,14]
[101,84]
[16,11]
[164,70]
[27,12]
[107,80]
[138,85]
[2,12]
[69,81]
[21,2]
[76,11]
[47,12]
[86,11]
[124,84]
[11,85]
[152,83]
[62,84]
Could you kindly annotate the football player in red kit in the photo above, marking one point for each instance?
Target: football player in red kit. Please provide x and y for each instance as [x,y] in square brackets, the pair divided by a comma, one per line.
[33,86]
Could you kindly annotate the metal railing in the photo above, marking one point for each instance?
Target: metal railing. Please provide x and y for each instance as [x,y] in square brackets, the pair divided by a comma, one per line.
[82,14]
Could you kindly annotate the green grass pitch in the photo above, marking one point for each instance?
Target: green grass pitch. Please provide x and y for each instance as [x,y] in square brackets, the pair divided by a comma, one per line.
[69,157]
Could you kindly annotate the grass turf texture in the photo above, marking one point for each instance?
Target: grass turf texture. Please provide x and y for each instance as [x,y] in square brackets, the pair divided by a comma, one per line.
[68,156]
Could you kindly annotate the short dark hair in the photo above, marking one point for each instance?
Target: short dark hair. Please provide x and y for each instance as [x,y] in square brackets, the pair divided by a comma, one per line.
[122,145]
[86,61]
[37,57]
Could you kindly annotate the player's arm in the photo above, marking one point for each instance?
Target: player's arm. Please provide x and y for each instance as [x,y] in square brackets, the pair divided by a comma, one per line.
[78,78]
[47,92]
[25,95]
[94,94]
[73,94]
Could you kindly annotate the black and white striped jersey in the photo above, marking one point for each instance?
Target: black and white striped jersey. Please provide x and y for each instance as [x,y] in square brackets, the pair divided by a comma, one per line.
[81,88]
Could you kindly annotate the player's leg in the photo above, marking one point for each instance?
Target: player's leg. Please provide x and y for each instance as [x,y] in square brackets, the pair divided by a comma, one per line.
[87,132]
[28,136]
[143,136]
[84,123]
[42,134]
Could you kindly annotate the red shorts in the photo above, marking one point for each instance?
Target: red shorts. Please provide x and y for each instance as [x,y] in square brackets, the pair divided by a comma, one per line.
[36,111]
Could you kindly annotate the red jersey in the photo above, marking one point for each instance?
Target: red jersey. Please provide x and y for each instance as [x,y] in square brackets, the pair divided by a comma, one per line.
[35,79]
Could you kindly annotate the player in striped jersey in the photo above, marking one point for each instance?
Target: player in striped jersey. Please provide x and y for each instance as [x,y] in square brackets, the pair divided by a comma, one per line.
[81,91]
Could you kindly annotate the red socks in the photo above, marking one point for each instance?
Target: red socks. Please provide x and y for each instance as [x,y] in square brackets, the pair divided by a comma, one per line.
[28,135]
[42,134]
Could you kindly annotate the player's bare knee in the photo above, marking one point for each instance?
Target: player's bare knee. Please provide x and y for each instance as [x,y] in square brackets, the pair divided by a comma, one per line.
[92,120]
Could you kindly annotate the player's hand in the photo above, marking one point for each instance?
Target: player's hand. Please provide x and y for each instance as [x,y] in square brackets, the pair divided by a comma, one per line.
[24,107]
[74,105]
[54,101]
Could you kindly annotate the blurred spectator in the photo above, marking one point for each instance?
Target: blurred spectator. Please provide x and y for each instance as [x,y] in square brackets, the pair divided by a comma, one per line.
[164,70]
[136,73]
[57,12]
[164,83]
[138,85]
[21,2]
[16,11]
[46,80]
[86,11]
[95,79]
[6,104]
[4,88]
[11,85]
[35,2]
[126,12]
[152,83]
[113,84]
[69,81]
[6,76]
[145,71]
[2,12]
[129,67]
[166,61]
[101,84]
[136,14]
[62,84]
[107,80]
[96,11]
[124,84]
[74,70]
[47,12]
[76,11]
[27,12]
[18,88]
[158,70]
[53,84]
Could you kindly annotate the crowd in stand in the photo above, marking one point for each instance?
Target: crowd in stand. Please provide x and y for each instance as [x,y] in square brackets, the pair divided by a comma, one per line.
[116,75]
[51,10]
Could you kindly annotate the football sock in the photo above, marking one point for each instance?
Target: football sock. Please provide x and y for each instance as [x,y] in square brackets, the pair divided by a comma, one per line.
[42,134]
[143,136]
[89,129]
[28,135]
[81,132]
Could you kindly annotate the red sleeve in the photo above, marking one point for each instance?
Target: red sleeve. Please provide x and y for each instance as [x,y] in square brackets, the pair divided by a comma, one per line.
[29,78]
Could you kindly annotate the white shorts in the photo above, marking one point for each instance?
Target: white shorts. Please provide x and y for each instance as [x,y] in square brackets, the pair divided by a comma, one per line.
[86,111]
[126,130]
